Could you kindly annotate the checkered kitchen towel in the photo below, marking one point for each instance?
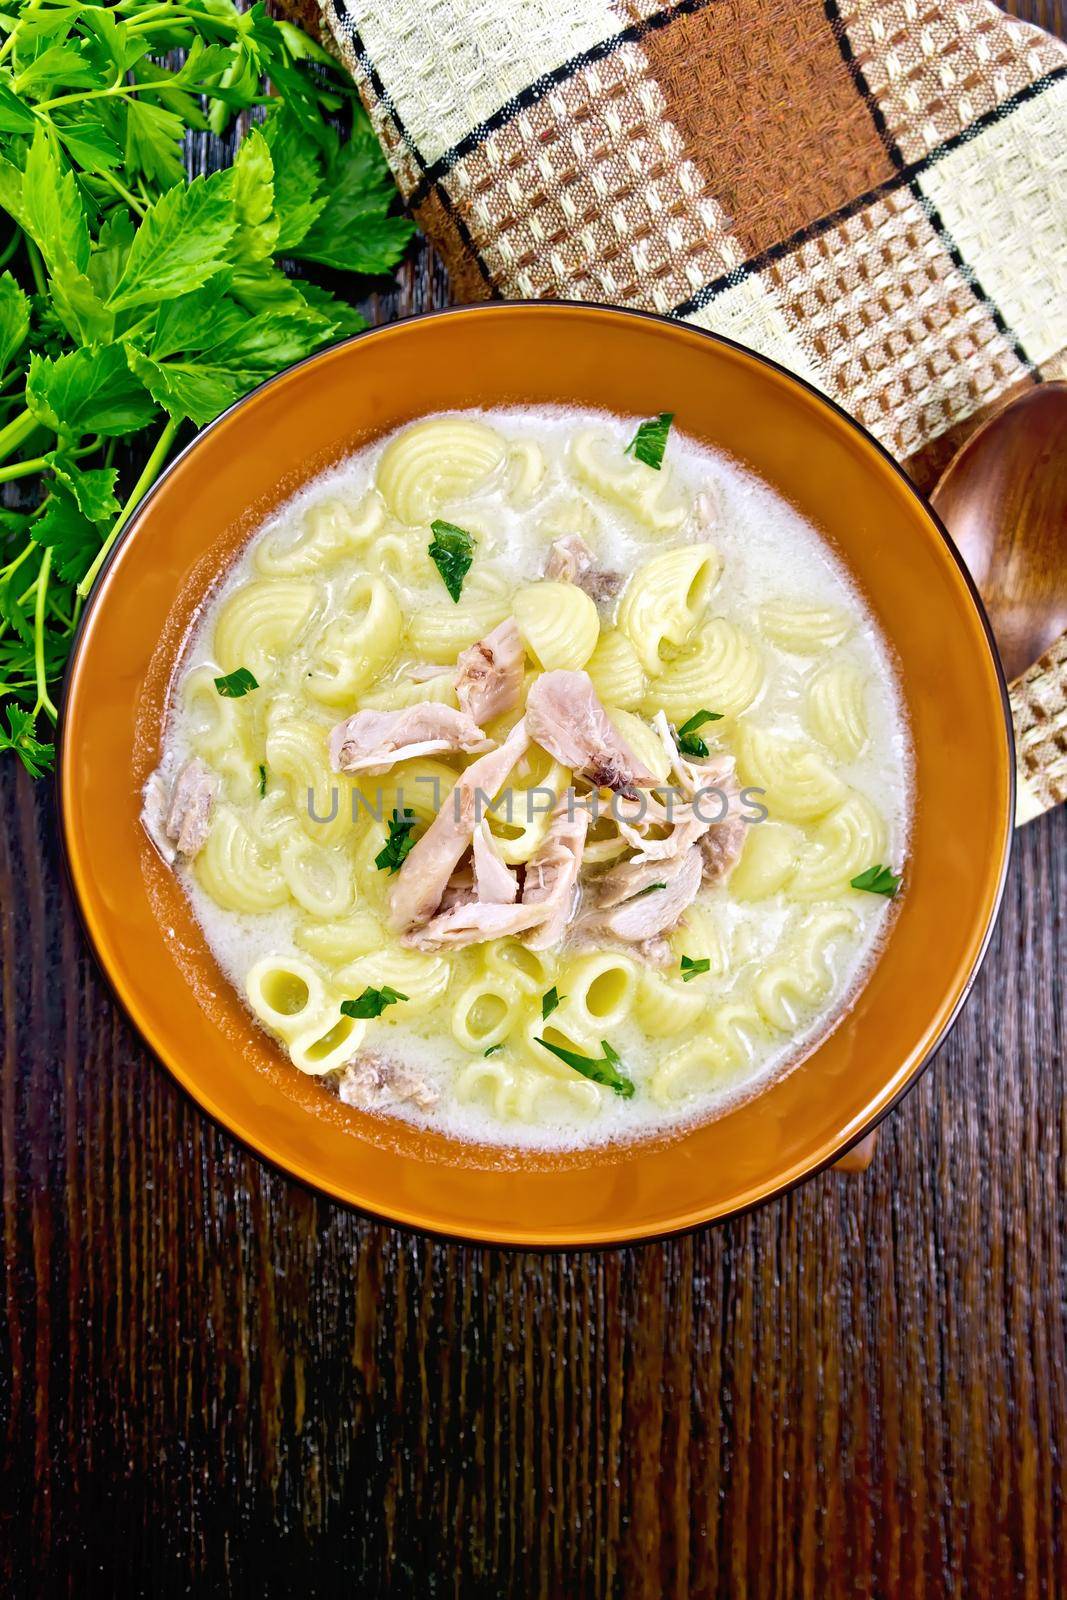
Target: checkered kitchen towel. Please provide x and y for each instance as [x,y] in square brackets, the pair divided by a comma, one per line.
[873,192]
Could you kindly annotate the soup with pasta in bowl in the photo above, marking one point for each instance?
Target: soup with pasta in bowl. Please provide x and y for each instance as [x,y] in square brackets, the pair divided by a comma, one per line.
[538,774]
[528,813]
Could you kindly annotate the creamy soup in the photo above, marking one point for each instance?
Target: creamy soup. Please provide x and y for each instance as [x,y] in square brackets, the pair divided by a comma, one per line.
[538,775]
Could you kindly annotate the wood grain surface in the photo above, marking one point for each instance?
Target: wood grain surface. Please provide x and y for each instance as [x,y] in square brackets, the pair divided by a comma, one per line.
[213,1381]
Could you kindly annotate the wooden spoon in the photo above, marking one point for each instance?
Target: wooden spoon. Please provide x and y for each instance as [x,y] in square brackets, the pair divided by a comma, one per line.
[1003,499]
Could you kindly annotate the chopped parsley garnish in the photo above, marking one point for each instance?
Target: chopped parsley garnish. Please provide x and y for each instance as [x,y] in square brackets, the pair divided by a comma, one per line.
[688,741]
[451,551]
[692,969]
[492,1050]
[601,1069]
[262,781]
[399,842]
[650,888]
[549,1002]
[236,683]
[650,440]
[878,880]
[372,1002]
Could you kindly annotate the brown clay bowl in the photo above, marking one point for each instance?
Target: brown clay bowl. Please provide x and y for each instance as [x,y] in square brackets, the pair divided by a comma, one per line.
[187,531]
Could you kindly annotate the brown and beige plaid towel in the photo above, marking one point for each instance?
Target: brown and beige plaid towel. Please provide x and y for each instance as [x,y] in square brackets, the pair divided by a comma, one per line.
[872,192]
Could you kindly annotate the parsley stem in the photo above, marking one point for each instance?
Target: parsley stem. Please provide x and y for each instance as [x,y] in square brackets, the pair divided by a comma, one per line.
[22,469]
[16,562]
[16,432]
[121,189]
[148,476]
[37,268]
[44,701]
[11,246]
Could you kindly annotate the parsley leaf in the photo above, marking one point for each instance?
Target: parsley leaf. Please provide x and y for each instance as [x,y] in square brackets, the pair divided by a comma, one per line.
[14,320]
[878,880]
[355,232]
[93,488]
[37,758]
[650,888]
[451,551]
[89,390]
[180,243]
[237,683]
[372,1002]
[600,1070]
[650,440]
[262,780]
[154,142]
[689,743]
[492,1050]
[549,1002]
[692,969]
[391,856]
[70,535]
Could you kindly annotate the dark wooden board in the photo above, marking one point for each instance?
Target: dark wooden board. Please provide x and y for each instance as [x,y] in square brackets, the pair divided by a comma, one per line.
[213,1381]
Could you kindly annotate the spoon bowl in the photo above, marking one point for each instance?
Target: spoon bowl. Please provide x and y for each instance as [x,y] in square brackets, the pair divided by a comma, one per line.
[1003,498]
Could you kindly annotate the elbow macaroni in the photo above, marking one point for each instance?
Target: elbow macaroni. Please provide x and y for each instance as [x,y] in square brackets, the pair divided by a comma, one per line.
[665,600]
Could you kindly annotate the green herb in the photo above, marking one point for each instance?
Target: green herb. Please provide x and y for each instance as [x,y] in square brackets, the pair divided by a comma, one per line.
[492,1050]
[136,299]
[549,1002]
[600,1070]
[399,842]
[18,736]
[692,969]
[650,440]
[236,684]
[688,741]
[451,551]
[372,1002]
[878,880]
[650,888]
[262,781]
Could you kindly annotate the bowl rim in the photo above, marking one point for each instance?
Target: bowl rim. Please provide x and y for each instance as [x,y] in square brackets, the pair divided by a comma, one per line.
[517,1238]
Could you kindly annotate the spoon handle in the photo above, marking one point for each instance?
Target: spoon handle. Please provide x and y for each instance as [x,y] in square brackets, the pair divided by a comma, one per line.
[1039,713]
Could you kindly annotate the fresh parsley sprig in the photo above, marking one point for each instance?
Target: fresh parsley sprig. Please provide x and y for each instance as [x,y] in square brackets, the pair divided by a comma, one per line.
[602,1069]
[137,302]
[650,440]
[451,551]
[236,684]
[689,741]
[878,880]
[549,1001]
[372,1002]
[390,857]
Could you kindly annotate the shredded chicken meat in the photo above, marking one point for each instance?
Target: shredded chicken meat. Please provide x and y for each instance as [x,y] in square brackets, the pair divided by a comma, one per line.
[489,676]
[427,868]
[565,717]
[570,560]
[373,1079]
[638,901]
[374,741]
[551,882]
[179,820]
